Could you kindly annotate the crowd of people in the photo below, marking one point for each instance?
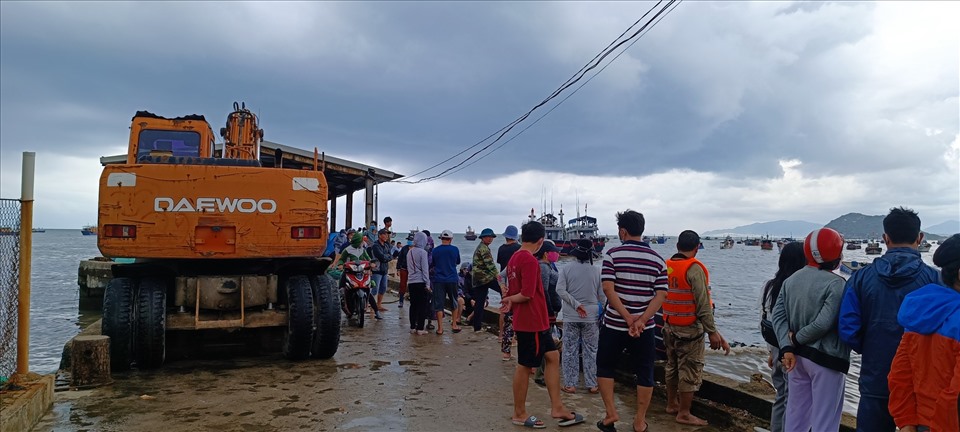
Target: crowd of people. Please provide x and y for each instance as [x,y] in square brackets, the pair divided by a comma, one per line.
[812,319]
[900,314]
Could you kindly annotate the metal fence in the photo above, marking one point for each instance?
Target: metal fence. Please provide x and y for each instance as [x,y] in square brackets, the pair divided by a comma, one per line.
[9,285]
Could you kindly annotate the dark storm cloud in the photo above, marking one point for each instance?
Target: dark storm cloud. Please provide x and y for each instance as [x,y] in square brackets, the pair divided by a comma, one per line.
[726,88]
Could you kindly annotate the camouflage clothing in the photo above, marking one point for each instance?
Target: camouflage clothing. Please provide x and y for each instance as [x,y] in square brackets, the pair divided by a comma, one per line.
[484,267]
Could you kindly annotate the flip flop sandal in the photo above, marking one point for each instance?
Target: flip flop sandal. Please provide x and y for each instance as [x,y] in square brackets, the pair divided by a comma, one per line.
[531,422]
[457,330]
[570,390]
[606,427]
[577,419]
[594,390]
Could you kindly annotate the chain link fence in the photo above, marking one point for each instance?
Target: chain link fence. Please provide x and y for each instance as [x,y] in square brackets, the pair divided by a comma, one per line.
[9,285]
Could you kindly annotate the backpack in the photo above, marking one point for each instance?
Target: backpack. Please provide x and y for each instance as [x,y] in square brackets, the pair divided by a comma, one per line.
[766,326]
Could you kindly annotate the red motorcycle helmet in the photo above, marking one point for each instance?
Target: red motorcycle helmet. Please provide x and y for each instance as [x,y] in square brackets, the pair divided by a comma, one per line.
[823,245]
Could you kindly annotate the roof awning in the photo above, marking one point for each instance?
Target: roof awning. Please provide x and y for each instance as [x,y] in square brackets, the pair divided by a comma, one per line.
[343,176]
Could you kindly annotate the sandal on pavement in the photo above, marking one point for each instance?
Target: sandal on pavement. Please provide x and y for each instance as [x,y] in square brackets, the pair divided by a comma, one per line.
[531,422]
[646,427]
[570,390]
[439,332]
[594,390]
[606,427]
[457,330]
[577,419]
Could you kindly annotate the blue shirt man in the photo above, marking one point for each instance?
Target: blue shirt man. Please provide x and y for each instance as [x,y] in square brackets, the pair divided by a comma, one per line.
[446,258]
[868,313]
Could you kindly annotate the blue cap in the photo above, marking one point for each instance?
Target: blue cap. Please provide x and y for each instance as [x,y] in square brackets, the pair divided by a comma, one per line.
[487,232]
[511,232]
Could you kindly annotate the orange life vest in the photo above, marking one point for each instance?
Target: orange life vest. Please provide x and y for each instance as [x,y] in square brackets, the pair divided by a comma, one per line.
[680,307]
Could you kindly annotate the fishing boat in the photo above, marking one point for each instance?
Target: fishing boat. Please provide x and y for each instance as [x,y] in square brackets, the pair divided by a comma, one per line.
[727,243]
[766,244]
[89,230]
[583,227]
[924,246]
[38,230]
[751,242]
[470,234]
[853,245]
[783,242]
[554,231]
[661,239]
[565,237]
[873,249]
[849,267]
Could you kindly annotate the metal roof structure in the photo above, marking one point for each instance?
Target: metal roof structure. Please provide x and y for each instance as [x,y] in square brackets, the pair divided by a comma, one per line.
[344,177]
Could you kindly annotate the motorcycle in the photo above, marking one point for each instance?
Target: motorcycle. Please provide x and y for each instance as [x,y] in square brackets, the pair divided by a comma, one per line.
[356,281]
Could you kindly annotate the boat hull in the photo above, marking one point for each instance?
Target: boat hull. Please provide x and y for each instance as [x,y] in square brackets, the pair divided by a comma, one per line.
[567,246]
[850,267]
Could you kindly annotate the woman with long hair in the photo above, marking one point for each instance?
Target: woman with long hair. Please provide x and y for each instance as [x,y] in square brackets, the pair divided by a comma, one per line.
[791,260]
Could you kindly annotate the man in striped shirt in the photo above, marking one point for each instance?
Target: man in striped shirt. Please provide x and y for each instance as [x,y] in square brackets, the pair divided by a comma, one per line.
[634,279]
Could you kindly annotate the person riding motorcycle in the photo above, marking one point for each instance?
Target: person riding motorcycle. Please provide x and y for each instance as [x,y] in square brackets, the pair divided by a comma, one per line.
[353,252]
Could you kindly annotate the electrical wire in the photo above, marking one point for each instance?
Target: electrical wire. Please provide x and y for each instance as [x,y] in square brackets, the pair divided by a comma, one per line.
[592,64]
[565,98]
[555,92]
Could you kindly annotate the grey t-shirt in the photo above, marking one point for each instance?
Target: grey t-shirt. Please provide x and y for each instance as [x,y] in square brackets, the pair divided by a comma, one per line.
[579,284]
[809,305]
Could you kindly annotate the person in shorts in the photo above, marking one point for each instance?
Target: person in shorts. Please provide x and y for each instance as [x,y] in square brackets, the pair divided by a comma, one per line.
[527,299]
[634,280]
[446,258]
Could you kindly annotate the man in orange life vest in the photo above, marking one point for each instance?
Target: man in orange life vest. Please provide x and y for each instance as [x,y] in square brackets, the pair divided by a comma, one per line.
[688,315]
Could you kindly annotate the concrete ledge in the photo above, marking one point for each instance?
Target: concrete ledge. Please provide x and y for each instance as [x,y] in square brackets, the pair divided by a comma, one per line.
[722,401]
[92,278]
[21,409]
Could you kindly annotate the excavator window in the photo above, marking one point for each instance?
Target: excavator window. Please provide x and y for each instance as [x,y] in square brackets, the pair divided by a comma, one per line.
[168,143]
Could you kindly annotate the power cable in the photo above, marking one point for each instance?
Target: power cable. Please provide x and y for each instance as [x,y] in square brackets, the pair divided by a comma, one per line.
[662,13]
[569,82]
[569,95]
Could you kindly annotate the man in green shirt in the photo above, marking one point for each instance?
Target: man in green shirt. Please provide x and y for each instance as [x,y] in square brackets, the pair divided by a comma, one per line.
[484,275]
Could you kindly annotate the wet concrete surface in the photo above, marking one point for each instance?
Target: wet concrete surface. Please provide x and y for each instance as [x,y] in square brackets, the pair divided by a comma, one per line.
[382,378]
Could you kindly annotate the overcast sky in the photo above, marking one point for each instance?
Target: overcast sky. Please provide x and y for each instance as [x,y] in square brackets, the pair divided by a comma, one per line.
[724,114]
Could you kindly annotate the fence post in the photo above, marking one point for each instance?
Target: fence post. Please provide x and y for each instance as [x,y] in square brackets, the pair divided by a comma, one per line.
[26,250]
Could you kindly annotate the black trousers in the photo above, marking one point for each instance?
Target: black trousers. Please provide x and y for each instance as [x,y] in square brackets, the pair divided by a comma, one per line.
[479,294]
[419,305]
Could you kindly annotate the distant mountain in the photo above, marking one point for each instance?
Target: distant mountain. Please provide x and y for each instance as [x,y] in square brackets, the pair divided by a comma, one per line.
[861,226]
[858,226]
[780,228]
[947,228]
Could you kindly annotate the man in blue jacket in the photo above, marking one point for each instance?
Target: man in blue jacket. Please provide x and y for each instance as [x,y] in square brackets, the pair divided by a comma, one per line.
[868,314]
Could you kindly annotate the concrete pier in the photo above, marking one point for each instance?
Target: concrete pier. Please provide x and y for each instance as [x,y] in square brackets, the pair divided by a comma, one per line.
[22,407]
[92,278]
[382,378]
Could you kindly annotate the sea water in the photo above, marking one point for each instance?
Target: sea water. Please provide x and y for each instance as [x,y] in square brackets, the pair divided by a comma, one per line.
[736,278]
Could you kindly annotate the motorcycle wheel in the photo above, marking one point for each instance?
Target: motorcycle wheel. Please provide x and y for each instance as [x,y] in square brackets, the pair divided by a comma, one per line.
[360,307]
